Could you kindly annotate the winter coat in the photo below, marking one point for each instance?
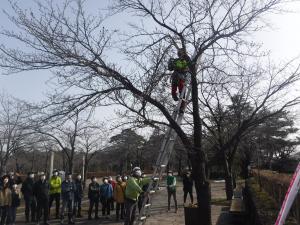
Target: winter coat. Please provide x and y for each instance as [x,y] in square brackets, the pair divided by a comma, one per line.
[55,185]
[79,189]
[15,198]
[5,197]
[134,187]
[41,190]
[94,191]
[27,188]
[187,182]
[171,183]
[106,191]
[119,192]
[68,189]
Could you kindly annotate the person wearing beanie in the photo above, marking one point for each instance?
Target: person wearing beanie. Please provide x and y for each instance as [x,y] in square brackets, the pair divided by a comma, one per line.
[94,196]
[29,198]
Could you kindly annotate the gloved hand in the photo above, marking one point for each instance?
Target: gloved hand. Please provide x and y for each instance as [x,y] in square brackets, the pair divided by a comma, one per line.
[175,97]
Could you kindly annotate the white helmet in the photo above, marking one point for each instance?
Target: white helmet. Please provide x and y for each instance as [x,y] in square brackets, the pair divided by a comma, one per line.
[137,171]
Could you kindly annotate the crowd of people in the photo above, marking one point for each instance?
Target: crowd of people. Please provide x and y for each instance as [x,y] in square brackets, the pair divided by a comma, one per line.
[127,193]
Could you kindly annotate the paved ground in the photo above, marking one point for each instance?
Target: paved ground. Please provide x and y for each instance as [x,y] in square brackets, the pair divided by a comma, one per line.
[159,214]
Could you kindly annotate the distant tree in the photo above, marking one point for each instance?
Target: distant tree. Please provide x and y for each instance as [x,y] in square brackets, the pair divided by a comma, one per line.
[91,142]
[14,129]
[228,124]
[128,147]
[274,139]
[65,134]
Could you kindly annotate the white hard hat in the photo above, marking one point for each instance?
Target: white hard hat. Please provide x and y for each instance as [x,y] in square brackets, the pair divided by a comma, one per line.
[136,168]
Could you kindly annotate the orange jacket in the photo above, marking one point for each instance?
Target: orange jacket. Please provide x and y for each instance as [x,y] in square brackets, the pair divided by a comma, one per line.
[119,192]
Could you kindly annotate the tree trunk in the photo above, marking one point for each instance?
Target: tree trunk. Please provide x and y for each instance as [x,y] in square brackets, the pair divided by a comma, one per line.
[228,179]
[86,166]
[203,191]
[70,170]
[197,157]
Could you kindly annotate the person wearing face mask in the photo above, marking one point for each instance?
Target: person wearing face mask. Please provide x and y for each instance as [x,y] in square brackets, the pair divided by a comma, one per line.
[111,201]
[187,186]
[14,178]
[41,192]
[78,196]
[30,201]
[68,189]
[5,200]
[133,190]
[15,203]
[119,197]
[106,194]
[94,196]
[125,178]
[55,191]
[171,188]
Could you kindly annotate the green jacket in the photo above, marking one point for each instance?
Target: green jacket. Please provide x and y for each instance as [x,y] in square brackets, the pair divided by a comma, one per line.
[55,185]
[134,187]
[171,183]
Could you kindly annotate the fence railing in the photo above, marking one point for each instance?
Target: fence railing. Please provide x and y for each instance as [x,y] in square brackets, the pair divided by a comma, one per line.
[276,185]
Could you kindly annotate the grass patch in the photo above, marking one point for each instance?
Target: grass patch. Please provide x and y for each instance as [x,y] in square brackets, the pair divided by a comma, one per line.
[220,201]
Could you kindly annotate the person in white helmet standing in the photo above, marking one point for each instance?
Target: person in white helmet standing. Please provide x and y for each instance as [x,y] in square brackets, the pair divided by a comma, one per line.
[132,192]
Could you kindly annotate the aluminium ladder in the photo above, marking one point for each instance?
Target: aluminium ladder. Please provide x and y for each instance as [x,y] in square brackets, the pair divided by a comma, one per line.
[165,152]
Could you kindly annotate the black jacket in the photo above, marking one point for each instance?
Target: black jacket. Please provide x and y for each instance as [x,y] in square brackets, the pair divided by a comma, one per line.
[79,189]
[68,189]
[41,190]
[187,182]
[27,188]
[15,199]
[94,191]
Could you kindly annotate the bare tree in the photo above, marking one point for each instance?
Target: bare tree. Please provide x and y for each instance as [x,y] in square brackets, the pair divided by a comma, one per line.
[14,129]
[241,103]
[91,141]
[77,52]
[66,135]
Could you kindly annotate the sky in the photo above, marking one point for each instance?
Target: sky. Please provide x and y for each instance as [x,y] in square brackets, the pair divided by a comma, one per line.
[282,40]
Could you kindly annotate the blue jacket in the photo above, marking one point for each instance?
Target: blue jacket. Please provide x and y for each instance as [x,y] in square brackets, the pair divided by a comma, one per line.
[106,191]
[68,189]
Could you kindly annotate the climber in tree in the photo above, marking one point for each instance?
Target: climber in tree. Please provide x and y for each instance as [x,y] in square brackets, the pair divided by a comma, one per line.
[180,67]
